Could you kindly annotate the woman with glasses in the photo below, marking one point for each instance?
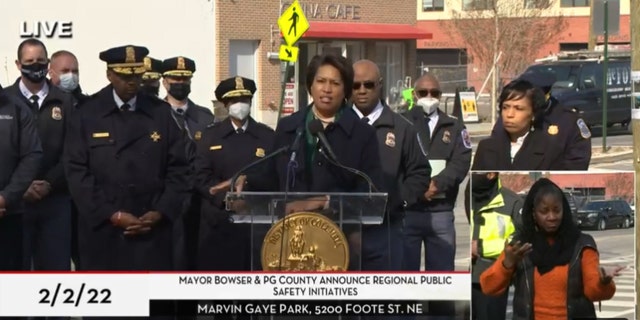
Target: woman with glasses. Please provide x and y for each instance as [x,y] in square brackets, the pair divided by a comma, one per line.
[522,144]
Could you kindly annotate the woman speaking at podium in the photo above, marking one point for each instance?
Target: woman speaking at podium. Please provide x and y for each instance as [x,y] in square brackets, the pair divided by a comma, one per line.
[323,138]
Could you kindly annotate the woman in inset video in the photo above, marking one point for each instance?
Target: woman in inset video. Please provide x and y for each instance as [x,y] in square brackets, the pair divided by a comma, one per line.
[554,267]
[523,144]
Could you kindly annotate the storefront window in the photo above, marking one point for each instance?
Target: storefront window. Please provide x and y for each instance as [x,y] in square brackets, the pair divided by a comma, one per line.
[390,59]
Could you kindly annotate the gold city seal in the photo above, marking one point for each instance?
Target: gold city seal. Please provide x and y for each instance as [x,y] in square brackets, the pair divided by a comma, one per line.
[309,242]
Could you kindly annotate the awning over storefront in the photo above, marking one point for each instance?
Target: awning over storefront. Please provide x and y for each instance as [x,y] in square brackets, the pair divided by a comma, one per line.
[341,30]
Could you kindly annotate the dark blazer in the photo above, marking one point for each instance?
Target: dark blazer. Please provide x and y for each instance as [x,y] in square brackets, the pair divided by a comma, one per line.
[20,150]
[354,143]
[51,121]
[130,161]
[539,151]
[405,167]
[450,141]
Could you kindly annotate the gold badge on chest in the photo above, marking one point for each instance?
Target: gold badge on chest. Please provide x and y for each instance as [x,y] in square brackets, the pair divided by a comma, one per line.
[155,136]
[197,135]
[553,130]
[260,153]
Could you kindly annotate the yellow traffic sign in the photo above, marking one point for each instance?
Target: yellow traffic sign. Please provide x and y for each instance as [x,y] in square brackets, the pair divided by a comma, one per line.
[293,24]
[288,53]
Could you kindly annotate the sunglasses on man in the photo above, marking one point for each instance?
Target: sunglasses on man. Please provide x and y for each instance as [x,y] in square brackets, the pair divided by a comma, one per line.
[367,84]
[426,92]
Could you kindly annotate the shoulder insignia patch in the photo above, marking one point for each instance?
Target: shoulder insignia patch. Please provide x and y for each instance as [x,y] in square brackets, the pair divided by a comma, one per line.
[466,139]
[584,129]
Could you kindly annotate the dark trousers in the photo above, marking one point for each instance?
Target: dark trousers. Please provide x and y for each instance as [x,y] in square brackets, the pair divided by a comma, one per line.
[11,242]
[437,232]
[484,307]
[382,247]
[47,234]
[75,252]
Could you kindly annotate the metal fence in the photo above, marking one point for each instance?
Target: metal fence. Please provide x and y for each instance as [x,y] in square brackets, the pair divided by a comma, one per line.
[449,76]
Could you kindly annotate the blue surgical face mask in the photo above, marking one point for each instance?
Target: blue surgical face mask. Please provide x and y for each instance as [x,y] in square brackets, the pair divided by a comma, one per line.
[69,81]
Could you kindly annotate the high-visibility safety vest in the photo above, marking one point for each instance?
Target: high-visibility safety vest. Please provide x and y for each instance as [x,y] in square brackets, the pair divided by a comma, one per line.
[494,223]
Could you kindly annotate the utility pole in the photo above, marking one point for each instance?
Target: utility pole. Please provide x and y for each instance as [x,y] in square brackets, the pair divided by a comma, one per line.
[634,16]
[593,38]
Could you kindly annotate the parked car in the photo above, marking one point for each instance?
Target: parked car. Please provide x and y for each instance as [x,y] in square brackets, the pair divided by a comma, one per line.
[605,214]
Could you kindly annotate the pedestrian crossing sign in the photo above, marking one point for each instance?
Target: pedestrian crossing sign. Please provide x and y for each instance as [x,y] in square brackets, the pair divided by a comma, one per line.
[288,53]
[292,23]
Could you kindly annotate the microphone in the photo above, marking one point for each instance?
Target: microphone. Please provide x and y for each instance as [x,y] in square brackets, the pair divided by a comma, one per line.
[296,144]
[317,130]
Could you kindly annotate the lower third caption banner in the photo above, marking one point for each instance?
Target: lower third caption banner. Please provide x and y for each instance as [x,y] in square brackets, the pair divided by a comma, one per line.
[284,308]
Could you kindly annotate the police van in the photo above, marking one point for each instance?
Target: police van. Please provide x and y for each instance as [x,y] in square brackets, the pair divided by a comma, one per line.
[579,82]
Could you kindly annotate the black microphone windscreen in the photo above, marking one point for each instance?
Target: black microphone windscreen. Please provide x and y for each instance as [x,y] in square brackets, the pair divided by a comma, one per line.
[315,126]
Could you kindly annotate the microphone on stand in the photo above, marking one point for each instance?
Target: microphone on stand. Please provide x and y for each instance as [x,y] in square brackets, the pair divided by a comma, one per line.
[317,130]
[291,179]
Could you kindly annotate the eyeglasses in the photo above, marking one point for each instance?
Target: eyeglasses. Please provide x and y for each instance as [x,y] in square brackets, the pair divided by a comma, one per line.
[426,92]
[367,84]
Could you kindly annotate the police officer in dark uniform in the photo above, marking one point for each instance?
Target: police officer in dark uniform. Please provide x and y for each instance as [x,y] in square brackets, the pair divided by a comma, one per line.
[448,147]
[406,169]
[192,120]
[47,216]
[570,131]
[20,156]
[152,75]
[225,148]
[127,171]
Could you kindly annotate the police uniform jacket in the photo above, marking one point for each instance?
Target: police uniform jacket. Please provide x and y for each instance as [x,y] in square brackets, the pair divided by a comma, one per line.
[571,133]
[197,118]
[406,169]
[450,141]
[492,225]
[131,161]
[221,153]
[539,151]
[20,150]
[51,121]
[353,142]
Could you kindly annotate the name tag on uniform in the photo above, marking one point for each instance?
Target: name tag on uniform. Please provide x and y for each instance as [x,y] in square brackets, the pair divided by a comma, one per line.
[101,135]
[218,147]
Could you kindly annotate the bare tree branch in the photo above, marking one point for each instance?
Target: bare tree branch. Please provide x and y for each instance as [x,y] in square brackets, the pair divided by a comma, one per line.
[517,28]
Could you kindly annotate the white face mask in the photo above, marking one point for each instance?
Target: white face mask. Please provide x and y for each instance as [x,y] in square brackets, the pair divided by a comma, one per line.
[239,110]
[69,81]
[428,104]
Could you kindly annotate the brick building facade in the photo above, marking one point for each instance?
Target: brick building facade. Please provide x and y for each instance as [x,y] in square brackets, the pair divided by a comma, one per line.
[248,38]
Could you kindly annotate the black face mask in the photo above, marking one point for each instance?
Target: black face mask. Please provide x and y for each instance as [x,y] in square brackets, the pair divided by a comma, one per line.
[35,72]
[180,91]
[152,90]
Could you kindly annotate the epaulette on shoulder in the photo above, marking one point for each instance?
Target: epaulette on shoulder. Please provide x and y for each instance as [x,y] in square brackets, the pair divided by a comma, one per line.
[213,124]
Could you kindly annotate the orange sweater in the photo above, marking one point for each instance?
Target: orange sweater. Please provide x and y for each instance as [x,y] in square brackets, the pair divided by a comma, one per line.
[550,293]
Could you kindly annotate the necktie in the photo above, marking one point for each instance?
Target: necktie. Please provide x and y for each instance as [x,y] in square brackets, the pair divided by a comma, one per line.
[34,103]
[240,130]
[181,120]
[125,107]
[365,120]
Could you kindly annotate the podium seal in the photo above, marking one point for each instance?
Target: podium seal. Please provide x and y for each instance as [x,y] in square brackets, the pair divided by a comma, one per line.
[305,241]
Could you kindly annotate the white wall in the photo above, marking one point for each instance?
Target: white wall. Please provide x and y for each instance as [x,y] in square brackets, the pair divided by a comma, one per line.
[167,28]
